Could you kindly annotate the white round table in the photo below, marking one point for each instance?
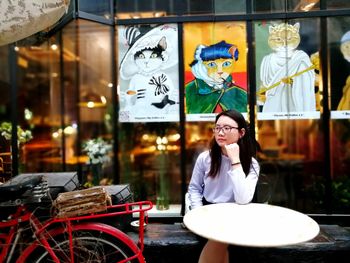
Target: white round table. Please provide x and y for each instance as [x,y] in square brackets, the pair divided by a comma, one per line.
[256,225]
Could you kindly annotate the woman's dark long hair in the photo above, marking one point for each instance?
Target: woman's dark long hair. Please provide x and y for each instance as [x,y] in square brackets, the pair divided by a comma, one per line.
[247,145]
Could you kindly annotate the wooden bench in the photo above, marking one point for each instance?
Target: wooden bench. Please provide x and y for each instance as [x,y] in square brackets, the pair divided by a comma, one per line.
[170,243]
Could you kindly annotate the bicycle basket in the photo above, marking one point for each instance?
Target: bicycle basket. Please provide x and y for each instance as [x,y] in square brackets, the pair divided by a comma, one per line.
[58,182]
[120,194]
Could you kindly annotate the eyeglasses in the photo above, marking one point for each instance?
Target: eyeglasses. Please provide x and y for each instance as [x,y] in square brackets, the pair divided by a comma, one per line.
[225,129]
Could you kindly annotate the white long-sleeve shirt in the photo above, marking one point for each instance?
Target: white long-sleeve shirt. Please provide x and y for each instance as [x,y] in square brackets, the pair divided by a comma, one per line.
[230,185]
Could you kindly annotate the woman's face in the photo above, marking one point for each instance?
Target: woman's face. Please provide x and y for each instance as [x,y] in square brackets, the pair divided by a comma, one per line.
[226,131]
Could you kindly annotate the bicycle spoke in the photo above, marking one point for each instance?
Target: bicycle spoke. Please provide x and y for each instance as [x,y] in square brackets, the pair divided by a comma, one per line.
[88,247]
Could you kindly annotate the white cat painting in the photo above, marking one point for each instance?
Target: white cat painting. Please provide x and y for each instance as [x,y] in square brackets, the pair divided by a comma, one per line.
[287,74]
[148,72]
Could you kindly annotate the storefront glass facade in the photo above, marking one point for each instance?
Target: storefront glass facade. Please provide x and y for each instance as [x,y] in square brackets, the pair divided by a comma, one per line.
[89,81]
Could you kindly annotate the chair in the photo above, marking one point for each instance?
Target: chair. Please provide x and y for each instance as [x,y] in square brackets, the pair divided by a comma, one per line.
[187,203]
[1,170]
[269,175]
[1,165]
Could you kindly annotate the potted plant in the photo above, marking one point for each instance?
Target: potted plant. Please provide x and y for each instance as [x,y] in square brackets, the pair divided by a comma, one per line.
[23,136]
[97,151]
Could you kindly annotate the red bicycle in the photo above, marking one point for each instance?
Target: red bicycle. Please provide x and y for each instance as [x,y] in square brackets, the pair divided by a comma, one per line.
[28,232]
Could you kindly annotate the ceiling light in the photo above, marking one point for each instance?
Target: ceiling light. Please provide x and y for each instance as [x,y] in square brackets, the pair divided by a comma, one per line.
[91,99]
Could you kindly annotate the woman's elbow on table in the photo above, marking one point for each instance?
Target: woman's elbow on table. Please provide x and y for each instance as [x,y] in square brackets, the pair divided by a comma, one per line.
[243,200]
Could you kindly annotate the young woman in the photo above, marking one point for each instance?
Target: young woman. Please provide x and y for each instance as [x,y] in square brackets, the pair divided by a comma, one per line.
[228,172]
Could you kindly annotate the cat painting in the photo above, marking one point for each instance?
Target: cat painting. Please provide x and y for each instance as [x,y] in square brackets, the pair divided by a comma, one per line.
[344,103]
[150,92]
[287,74]
[213,89]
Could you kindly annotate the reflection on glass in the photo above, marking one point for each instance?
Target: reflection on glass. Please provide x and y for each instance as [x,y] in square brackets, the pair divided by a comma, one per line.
[303,5]
[95,97]
[340,155]
[227,7]
[287,59]
[41,86]
[125,9]
[292,163]
[100,8]
[286,6]
[137,9]
[215,69]
[269,6]
[198,136]
[344,103]
[339,59]
[148,83]
[149,159]
[4,69]
[337,4]
[5,113]
[39,106]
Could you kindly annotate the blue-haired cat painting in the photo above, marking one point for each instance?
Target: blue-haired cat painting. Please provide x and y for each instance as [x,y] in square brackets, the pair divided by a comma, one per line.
[213,88]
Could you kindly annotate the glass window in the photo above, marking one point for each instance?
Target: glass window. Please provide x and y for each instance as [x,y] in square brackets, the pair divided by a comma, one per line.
[292,164]
[150,161]
[136,9]
[268,6]
[126,9]
[4,85]
[5,115]
[94,103]
[96,7]
[70,86]
[339,60]
[288,88]
[83,116]
[228,7]
[148,89]
[340,165]
[338,4]
[68,104]
[303,5]
[149,79]
[287,69]
[215,62]
[285,6]
[38,79]
[198,136]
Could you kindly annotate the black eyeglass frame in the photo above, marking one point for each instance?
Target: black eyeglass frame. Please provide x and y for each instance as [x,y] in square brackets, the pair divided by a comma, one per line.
[226,129]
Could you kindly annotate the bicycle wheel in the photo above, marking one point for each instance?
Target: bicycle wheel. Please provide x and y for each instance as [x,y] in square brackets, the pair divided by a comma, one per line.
[91,244]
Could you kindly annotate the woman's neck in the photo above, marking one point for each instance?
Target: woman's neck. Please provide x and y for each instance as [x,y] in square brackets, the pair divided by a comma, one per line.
[223,151]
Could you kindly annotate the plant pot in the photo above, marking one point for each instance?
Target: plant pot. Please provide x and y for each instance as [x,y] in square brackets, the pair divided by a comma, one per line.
[162,203]
[96,170]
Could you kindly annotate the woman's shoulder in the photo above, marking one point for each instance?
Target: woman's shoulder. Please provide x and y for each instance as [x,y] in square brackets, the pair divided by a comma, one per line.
[255,165]
[255,162]
[203,156]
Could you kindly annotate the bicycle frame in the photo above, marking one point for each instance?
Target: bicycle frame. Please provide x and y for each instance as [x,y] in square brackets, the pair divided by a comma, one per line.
[47,229]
